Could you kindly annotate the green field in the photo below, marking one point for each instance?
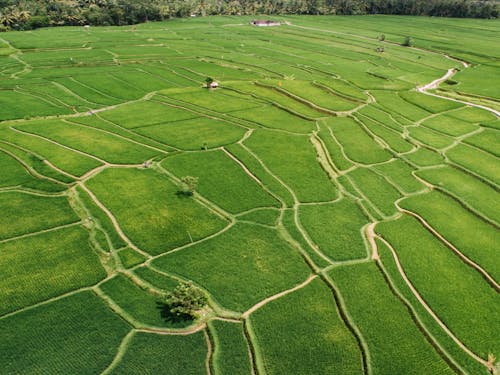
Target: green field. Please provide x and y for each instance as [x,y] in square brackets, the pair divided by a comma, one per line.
[344,217]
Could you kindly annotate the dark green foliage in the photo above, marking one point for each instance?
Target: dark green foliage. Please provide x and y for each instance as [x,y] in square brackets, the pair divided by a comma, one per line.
[185,300]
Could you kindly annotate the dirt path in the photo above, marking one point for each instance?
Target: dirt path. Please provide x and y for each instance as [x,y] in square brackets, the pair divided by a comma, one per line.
[370,236]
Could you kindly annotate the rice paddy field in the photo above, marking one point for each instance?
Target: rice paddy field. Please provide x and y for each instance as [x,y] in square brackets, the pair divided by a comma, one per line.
[345,221]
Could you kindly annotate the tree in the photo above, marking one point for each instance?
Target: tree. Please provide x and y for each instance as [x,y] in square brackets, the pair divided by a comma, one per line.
[209,81]
[407,42]
[188,185]
[381,37]
[185,301]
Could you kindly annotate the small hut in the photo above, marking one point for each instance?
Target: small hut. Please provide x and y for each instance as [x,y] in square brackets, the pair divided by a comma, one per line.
[265,23]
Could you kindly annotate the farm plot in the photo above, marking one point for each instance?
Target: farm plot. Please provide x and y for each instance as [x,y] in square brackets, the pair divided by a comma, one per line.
[221,180]
[471,235]
[94,142]
[36,268]
[232,354]
[144,199]
[30,212]
[320,340]
[195,134]
[336,228]
[62,337]
[255,261]
[356,142]
[292,158]
[394,340]
[466,188]
[457,293]
[149,353]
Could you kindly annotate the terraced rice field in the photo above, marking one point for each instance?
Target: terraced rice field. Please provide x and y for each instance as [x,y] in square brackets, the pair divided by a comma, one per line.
[346,218]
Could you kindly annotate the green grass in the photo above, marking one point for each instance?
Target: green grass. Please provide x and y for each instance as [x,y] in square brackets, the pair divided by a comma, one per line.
[430,137]
[424,157]
[376,189]
[293,159]
[482,163]
[166,354]
[46,265]
[303,331]
[156,279]
[221,180]
[429,103]
[25,213]
[449,125]
[97,143]
[467,188]
[335,228]
[77,334]
[272,117]
[69,161]
[471,235]
[334,149]
[130,257]
[16,105]
[388,135]
[249,257]
[393,102]
[357,144]
[231,355]
[457,293]
[487,140]
[400,174]
[145,199]
[395,342]
[194,134]
[145,308]
[266,216]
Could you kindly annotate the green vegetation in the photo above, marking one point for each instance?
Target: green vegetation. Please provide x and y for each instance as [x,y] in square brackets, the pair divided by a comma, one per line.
[165,354]
[151,225]
[249,257]
[231,355]
[394,340]
[62,337]
[320,338]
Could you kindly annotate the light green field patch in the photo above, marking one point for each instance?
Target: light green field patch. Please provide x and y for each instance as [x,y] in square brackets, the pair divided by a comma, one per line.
[145,113]
[43,266]
[231,354]
[380,192]
[150,210]
[75,335]
[395,342]
[424,157]
[457,293]
[166,354]
[467,188]
[472,236]
[221,180]
[320,341]
[357,144]
[476,160]
[430,137]
[16,105]
[194,134]
[270,116]
[144,307]
[25,213]
[336,228]
[400,174]
[255,261]
[449,125]
[130,257]
[488,140]
[293,159]
[103,145]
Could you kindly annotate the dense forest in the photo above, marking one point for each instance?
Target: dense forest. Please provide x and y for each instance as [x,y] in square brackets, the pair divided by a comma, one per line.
[30,14]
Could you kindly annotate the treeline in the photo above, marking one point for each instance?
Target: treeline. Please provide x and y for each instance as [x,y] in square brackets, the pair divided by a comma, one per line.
[30,14]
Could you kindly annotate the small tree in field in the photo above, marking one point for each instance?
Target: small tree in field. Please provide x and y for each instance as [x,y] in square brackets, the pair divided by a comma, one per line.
[185,301]
[381,37]
[407,42]
[209,81]
[188,185]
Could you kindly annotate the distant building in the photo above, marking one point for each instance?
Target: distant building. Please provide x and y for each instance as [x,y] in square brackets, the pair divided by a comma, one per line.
[86,27]
[265,23]
[214,85]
